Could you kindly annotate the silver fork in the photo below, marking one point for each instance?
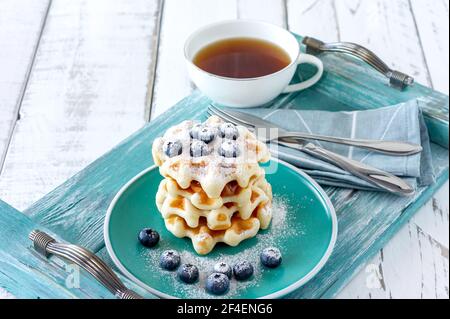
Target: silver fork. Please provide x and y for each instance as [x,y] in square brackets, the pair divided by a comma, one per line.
[382,179]
[397,79]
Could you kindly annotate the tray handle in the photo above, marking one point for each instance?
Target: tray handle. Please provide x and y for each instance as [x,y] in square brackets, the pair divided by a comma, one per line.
[47,245]
[397,79]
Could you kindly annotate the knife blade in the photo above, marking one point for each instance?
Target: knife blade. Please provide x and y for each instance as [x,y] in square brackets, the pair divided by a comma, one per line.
[394,148]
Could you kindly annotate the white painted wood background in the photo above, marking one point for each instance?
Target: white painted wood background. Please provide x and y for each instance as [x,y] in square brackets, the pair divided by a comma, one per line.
[78,76]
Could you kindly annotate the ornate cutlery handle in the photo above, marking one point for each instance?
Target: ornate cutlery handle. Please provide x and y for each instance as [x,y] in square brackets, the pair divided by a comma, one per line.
[397,79]
[385,147]
[47,245]
[370,174]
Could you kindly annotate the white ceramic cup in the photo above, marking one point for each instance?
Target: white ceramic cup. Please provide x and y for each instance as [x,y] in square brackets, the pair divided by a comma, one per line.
[248,92]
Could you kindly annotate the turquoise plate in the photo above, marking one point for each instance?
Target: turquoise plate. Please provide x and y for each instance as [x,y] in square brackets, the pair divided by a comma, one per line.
[303,227]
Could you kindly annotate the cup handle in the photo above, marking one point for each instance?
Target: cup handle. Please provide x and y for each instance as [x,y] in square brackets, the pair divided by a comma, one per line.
[309,59]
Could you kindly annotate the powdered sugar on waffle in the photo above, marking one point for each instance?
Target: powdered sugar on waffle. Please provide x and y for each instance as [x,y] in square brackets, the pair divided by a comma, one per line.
[212,171]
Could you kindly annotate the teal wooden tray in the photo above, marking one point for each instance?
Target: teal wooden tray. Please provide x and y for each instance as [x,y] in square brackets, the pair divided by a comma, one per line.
[26,274]
[367,220]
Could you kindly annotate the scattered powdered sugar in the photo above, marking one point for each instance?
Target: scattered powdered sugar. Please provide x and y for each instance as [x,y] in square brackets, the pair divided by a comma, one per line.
[281,228]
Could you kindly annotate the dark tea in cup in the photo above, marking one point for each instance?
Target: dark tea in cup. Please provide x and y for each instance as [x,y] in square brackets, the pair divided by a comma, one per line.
[243,63]
[242,58]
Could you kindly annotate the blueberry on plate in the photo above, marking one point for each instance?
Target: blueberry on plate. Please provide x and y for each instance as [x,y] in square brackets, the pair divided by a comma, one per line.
[172,148]
[148,237]
[199,148]
[188,273]
[195,130]
[169,260]
[270,257]
[229,149]
[217,283]
[243,270]
[229,131]
[223,268]
[206,134]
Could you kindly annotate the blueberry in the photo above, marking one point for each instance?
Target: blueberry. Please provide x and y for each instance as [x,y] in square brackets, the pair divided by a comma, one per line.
[148,237]
[206,134]
[195,130]
[243,270]
[223,268]
[270,257]
[169,260]
[229,131]
[199,148]
[188,273]
[172,149]
[229,149]
[217,283]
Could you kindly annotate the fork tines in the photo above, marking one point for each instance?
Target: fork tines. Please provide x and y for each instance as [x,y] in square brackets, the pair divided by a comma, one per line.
[212,110]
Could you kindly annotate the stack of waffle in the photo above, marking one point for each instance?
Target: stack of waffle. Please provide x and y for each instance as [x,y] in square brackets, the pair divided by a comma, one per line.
[212,195]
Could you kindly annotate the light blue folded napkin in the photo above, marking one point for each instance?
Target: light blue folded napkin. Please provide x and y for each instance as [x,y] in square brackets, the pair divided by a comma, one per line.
[402,122]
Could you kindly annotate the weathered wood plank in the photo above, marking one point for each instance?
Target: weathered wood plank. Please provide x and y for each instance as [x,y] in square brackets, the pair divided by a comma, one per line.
[191,15]
[412,265]
[424,274]
[87,91]
[434,220]
[368,283]
[25,274]
[316,18]
[388,28]
[271,11]
[431,19]
[21,22]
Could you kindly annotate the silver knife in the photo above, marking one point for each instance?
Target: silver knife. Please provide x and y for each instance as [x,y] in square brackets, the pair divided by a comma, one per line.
[395,148]
[382,179]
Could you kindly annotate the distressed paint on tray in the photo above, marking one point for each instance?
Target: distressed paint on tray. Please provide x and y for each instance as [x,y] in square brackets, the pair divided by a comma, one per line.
[25,274]
[85,197]
[299,15]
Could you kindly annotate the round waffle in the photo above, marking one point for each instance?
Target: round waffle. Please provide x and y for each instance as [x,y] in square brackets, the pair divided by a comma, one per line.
[204,239]
[192,203]
[212,171]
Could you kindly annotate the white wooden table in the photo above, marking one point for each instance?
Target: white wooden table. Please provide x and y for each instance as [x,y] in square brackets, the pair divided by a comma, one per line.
[78,76]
